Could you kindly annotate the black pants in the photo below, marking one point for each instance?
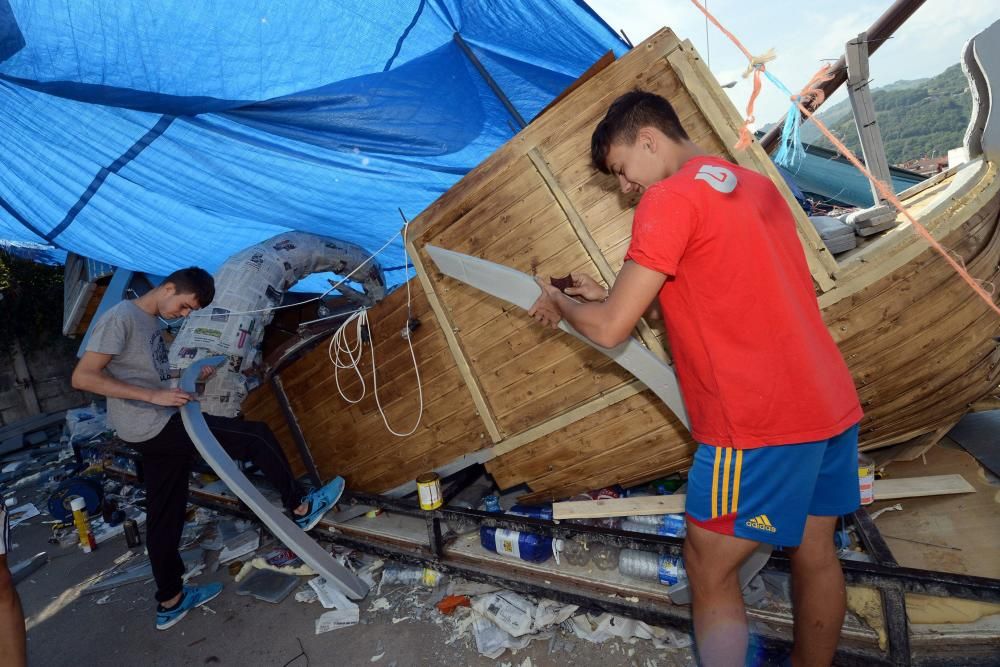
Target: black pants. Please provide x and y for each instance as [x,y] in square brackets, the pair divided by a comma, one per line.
[166,462]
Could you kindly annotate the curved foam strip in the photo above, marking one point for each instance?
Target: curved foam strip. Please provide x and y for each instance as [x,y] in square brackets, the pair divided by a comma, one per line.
[521,290]
[283,528]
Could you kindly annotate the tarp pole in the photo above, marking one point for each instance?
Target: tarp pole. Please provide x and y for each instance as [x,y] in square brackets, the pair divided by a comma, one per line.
[490,81]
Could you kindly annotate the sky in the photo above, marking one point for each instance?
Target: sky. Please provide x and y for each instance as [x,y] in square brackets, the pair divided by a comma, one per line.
[805,35]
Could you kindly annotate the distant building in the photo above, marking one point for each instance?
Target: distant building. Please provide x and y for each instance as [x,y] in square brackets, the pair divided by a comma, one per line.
[926,166]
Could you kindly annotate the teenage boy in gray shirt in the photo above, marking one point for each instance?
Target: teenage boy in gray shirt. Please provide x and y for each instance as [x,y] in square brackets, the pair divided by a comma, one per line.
[126,360]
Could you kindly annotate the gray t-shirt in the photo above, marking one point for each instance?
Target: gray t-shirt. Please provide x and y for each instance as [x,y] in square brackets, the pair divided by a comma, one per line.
[135,340]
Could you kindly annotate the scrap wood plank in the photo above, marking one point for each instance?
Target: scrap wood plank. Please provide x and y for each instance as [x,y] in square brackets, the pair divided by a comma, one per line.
[593,509]
[914,487]
[885,489]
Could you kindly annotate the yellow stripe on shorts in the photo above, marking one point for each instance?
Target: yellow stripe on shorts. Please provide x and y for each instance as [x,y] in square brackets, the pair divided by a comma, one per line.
[736,480]
[715,482]
[725,480]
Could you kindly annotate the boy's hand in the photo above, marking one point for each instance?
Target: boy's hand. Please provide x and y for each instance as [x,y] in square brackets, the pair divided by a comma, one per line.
[206,372]
[171,398]
[546,309]
[586,287]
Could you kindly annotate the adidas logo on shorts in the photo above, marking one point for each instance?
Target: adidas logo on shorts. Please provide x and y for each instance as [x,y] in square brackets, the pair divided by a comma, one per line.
[761,522]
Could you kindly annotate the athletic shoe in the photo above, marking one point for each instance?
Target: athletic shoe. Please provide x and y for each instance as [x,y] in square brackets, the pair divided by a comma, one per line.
[191,597]
[320,501]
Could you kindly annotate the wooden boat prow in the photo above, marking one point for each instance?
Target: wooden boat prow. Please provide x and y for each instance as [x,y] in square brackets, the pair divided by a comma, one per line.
[542,409]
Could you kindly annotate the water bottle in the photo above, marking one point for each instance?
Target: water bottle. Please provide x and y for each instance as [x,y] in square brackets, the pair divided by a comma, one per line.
[605,556]
[404,574]
[491,504]
[532,511]
[665,568]
[469,498]
[516,544]
[575,552]
[670,525]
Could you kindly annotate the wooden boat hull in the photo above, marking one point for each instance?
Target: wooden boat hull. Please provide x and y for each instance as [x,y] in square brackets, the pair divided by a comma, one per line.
[543,409]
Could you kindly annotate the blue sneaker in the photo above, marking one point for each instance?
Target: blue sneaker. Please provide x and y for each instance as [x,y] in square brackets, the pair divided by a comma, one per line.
[193,596]
[320,501]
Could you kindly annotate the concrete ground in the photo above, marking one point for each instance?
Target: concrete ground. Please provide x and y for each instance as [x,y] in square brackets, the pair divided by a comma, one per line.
[67,628]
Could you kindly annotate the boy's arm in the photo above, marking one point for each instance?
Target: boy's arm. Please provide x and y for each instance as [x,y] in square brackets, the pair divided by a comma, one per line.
[611,322]
[89,376]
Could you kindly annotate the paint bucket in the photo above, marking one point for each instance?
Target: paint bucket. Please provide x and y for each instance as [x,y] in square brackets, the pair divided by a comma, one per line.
[866,479]
[429,491]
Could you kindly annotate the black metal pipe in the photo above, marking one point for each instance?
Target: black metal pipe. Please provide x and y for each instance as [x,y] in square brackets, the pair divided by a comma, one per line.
[296,430]
[910,580]
[491,82]
[893,597]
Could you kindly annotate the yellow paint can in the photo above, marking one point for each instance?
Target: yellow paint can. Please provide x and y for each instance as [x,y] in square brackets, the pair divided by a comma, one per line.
[429,491]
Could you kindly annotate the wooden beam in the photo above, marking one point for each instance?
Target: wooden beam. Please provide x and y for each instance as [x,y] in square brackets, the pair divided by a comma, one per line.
[591,72]
[580,228]
[915,487]
[885,489]
[595,509]
[447,328]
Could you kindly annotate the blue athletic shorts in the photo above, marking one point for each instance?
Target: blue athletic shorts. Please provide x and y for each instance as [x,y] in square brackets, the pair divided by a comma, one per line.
[765,494]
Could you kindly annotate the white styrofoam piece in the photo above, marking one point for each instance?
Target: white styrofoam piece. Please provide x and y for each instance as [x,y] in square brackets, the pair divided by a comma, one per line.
[521,290]
[283,527]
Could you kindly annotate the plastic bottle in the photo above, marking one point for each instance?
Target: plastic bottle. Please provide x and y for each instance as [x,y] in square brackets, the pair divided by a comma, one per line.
[575,552]
[605,556]
[866,478]
[405,574]
[79,507]
[671,525]
[532,511]
[469,498]
[665,568]
[516,544]
[491,504]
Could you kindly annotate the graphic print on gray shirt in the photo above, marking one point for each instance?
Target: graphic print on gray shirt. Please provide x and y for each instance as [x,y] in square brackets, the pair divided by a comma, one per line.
[139,357]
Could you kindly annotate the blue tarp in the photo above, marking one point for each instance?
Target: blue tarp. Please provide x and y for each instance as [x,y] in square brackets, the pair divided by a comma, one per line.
[159,135]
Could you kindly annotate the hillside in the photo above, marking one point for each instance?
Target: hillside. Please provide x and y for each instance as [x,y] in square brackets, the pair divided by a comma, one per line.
[923,117]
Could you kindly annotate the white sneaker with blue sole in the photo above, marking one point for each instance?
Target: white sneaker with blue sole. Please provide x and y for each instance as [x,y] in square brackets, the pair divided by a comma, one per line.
[191,597]
[320,501]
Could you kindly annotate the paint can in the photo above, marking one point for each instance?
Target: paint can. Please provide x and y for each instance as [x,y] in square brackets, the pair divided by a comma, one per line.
[866,479]
[429,491]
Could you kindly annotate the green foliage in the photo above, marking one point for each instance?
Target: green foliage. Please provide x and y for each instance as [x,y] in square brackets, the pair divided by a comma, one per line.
[31,310]
[922,118]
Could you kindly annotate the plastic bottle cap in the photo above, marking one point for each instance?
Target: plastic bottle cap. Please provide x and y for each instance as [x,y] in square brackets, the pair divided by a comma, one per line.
[77,504]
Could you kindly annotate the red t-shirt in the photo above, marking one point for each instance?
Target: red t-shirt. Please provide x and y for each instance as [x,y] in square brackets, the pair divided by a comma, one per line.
[755,362]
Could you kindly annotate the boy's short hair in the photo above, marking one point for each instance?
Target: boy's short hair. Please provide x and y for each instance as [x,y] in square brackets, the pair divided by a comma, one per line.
[626,116]
[193,280]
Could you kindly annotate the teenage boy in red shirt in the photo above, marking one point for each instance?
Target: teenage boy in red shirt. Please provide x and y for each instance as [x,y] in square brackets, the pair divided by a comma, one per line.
[769,397]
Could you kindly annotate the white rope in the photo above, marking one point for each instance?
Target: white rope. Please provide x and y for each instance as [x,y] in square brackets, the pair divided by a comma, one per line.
[347,355]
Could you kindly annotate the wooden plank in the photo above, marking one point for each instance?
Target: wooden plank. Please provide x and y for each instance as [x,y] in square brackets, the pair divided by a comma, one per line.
[598,509]
[456,349]
[917,487]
